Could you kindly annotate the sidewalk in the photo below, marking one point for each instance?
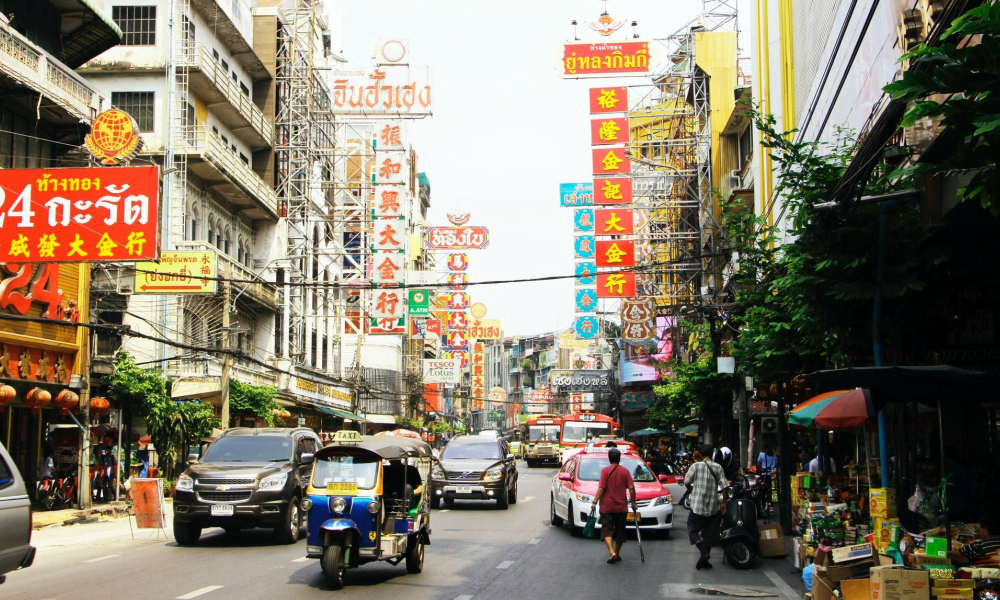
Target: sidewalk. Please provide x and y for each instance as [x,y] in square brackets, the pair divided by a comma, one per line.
[73,516]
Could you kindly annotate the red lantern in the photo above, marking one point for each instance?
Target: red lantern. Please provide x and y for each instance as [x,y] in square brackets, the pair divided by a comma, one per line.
[66,400]
[774,390]
[7,395]
[99,405]
[36,399]
[798,383]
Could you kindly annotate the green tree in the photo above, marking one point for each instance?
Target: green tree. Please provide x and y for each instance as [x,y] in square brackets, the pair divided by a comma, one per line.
[690,389]
[958,82]
[252,401]
[172,426]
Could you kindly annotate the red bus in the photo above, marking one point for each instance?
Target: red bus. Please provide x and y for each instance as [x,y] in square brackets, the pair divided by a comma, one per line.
[580,428]
[540,439]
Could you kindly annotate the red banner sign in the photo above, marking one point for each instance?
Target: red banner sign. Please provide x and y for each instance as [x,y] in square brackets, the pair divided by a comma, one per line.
[609,131]
[601,59]
[608,100]
[612,190]
[615,253]
[616,285]
[457,238]
[79,215]
[610,160]
[613,221]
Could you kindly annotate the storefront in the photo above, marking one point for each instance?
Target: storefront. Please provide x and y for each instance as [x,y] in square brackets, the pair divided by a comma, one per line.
[40,362]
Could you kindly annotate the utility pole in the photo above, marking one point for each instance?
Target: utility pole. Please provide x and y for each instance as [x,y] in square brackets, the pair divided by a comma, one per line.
[227,360]
[86,335]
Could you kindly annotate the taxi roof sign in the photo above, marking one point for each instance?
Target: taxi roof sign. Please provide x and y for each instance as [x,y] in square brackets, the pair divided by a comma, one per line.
[347,436]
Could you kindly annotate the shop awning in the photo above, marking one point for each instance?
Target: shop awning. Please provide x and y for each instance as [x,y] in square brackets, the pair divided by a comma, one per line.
[343,414]
[912,384]
[86,31]
[688,430]
[382,419]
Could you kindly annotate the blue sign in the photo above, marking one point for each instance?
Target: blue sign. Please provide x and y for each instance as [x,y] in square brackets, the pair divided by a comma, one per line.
[576,194]
[583,219]
[586,273]
[587,327]
[583,246]
[586,300]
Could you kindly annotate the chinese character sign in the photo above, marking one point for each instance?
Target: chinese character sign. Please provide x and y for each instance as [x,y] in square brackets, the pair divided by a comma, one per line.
[615,253]
[586,327]
[608,161]
[390,168]
[387,303]
[79,215]
[478,389]
[388,234]
[458,300]
[458,262]
[586,273]
[609,131]
[586,300]
[608,100]
[613,221]
[458,281]
[615,285]
[388,267]
[583,220]
[389,201]
[583,246]
[612,190]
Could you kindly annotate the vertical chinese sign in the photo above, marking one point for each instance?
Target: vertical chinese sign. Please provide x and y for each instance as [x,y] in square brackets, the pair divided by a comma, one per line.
[387,300]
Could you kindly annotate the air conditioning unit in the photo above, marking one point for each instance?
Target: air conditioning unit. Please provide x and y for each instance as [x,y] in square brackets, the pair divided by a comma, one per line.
[769,425]
[735,182]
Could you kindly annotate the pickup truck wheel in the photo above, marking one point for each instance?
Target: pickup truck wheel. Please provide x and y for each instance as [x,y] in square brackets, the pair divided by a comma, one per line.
[186,534]
[502,503]
[512,494]
[288,531]
[415,555]
[332,569]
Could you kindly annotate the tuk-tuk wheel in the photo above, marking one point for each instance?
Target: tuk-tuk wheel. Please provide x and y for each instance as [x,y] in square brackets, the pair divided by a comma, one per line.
[332,569]
[414,555]
[435,502]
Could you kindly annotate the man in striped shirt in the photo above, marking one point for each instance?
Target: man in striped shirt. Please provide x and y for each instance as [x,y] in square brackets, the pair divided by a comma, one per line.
[984,552]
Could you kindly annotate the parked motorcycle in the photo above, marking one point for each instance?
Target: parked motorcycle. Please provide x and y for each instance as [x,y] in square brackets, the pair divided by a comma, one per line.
[54,492]
[739,535]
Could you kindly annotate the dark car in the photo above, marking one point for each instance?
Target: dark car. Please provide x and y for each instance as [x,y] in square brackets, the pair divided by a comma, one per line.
[475,467]
[247,478]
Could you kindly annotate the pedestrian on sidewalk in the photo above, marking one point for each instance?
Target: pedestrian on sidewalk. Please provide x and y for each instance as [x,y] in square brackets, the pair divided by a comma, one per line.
[705,478]
[615,481]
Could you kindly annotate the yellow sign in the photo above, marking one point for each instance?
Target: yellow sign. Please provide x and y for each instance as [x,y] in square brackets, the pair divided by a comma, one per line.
[178,273]
[342,488]
[486,329]
[569,341]
[114,137]
[478,310]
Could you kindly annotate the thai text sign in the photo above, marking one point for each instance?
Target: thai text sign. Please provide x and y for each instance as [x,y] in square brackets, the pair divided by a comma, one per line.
[576,194]
[584,380]
[485,329]
[438,370]
[457,238]
[79,215]
[178,273]
[608,100]
[603,59]
[147,495]
[379,94]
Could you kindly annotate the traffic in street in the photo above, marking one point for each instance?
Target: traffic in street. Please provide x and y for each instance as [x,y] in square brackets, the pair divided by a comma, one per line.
[477,551]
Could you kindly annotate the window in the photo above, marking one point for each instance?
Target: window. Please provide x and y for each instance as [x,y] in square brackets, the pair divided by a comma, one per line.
[746,145]
[215,130]
[137,104]
[244,158]
[192,130]
[215,54]
[225,65]
[188,30]
[6,477]
[235,79]
[138,24]
[244,89]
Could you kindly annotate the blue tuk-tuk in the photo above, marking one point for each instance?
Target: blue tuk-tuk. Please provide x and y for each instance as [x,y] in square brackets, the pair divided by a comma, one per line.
[366,503]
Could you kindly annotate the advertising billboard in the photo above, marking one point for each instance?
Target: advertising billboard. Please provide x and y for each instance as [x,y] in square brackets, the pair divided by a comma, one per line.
[644,361]
[576,194]
[602,59]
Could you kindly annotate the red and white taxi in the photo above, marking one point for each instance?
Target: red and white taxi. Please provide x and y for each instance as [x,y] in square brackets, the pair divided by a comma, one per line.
[601,445]
[575,485]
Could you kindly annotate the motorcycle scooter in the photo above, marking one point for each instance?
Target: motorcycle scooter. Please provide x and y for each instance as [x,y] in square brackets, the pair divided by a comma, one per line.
[739,535]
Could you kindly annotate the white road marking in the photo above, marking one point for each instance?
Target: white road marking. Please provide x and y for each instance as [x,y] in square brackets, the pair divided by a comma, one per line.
[785,589]
[464,597]
[505,564]
[93,560]
[303,559]
[534,541]
[444,510]
[197,593]
[528,499]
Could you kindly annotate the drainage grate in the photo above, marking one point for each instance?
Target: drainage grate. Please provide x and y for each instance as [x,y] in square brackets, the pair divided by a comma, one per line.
[731,591]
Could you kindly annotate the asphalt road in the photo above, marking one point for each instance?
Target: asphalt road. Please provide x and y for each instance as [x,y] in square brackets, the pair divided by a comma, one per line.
[477,551]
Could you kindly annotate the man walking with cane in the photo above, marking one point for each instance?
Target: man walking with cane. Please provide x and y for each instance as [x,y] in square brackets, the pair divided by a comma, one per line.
[705,478]
[615,481]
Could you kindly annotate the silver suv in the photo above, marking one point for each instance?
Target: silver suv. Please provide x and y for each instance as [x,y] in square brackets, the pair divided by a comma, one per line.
[16,551]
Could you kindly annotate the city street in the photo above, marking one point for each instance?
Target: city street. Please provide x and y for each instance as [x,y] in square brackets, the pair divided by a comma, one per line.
[477,552]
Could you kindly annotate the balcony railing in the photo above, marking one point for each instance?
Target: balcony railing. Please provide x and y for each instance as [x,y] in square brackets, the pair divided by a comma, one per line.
[26,62]
[264,293]
[253,374]
[219,78]
[198,141]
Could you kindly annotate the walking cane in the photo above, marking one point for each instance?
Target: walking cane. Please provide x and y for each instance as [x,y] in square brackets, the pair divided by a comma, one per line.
[638,534]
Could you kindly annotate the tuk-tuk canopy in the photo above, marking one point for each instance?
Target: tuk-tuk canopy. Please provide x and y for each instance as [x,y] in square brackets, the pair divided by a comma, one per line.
[388,447]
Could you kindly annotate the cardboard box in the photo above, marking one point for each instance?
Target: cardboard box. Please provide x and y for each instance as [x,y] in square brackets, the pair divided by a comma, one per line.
[882,503]
[952,592]
[894,583]
[854,552]
[822,587]
[921,560]
[856,589]
[772,541]
[955,583]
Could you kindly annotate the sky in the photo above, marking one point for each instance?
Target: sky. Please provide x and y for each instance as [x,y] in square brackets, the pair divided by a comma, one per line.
[506,129]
